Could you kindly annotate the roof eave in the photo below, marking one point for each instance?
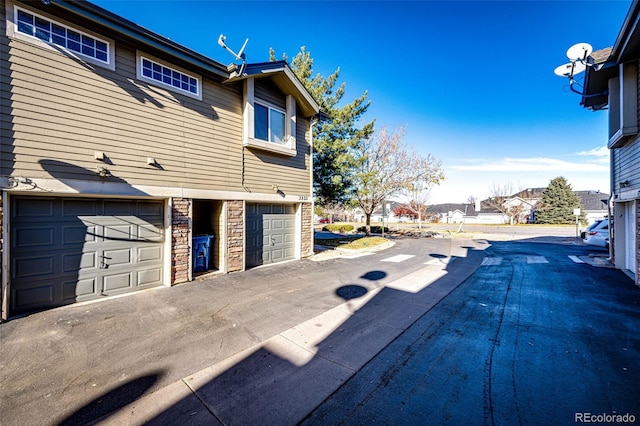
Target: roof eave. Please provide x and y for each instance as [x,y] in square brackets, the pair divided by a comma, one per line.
[140,34]
[290,84]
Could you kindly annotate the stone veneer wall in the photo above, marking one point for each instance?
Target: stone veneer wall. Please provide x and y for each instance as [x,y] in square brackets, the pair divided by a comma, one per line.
[180,245]
[307,230]
[235,236]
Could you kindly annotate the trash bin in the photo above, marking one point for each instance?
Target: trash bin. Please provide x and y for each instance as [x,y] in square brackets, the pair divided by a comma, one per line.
[201,252]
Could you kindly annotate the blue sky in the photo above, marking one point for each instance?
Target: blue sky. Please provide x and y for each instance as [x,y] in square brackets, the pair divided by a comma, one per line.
[472,81]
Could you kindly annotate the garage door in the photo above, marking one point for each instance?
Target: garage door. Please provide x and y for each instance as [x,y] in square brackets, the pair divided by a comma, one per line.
[270,233]
[67,250]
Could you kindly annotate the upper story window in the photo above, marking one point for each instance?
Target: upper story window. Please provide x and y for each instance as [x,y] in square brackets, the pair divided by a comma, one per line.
[266,126]
[269,123]
[157,73]
[54,33]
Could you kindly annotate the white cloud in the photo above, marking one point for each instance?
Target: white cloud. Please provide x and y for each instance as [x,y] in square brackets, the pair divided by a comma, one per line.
[600,152]
[533,164]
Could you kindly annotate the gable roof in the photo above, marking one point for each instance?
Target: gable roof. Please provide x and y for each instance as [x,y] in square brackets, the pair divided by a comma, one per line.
[593,200]
[286,80]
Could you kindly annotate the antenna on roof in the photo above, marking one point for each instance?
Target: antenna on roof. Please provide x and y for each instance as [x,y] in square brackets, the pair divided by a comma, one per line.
[240,56]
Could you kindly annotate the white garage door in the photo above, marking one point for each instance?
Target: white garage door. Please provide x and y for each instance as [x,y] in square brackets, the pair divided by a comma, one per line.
[66,250]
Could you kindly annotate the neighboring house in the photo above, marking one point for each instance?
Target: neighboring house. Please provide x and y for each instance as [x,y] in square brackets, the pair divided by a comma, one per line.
[119,146]
[593,205]
[611,82]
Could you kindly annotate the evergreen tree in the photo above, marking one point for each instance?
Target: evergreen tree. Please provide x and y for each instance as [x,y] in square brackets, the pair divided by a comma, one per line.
[557,204]
[334,138]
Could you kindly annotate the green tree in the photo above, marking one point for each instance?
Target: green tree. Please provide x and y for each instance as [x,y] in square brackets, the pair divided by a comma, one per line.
[557,204]
[386,166]
[336,137]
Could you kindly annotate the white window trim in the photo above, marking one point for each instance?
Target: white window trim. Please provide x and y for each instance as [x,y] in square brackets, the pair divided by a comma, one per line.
[151,81]
[289,146]
[12,31]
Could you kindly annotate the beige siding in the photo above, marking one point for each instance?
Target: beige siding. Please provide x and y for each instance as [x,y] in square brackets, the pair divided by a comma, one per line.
[290,174]
[63,111]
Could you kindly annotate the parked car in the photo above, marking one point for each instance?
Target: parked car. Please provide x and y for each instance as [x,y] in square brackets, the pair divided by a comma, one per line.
[598,235]
[590,227]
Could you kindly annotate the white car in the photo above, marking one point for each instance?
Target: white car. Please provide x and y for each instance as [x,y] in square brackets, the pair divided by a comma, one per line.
[598,235]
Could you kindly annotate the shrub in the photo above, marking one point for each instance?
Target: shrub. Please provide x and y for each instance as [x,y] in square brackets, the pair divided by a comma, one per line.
[374,229]
[338,227]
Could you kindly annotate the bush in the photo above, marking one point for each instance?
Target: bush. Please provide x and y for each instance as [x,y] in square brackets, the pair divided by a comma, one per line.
[341,228]
[374,229]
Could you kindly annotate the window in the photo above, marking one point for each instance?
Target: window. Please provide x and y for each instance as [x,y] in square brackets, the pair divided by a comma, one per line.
[155,72]
[266,126]
[53,33]
[269,123]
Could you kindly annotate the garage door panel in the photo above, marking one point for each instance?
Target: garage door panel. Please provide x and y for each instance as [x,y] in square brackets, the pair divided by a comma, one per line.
[117,282]
[150,233]
[33,237]
[78,290]
[117,208]
[74,207]
[78,234]
[117,257]
[29,267]
[32,208]
[152,253]
[42,295]
[72,261]
[149,276]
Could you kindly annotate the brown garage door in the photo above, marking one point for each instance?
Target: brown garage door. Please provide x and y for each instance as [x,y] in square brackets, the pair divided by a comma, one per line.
[67,250]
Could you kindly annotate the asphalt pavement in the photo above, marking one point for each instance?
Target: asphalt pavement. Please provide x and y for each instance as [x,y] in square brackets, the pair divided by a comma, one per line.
[267,345]
[534,337]
[298,342]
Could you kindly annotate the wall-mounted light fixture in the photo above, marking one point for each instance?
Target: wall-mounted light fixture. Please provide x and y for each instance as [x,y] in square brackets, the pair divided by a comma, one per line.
[98,155]
[151,161]
[103,172]
[624,184]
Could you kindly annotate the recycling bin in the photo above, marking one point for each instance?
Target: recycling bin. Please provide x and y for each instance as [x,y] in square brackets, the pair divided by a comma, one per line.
[202,252]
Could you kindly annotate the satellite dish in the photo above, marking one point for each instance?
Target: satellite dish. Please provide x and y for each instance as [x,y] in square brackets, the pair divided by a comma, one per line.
[579,52]
[570,69]
[240,55]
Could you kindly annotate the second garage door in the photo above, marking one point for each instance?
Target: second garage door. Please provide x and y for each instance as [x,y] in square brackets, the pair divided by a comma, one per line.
[271,233]
[66,250]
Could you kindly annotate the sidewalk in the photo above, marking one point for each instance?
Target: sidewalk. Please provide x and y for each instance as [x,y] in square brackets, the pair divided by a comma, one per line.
[257,358]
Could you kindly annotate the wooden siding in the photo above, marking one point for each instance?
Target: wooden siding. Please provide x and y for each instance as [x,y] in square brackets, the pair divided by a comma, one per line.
[266,90]
[627,164]
[57,110]
[290,174]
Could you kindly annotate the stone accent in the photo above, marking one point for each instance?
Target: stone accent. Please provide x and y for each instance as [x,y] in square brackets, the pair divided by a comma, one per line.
[307,230]
[180,244]
[235,236]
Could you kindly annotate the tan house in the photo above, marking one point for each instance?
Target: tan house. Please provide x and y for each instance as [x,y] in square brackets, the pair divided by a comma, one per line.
[128,161]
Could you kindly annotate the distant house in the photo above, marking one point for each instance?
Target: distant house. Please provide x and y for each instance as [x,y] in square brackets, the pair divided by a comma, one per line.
[611,83]
[522,205]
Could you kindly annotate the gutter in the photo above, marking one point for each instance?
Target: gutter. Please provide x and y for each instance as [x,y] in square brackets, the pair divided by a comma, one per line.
[140,34]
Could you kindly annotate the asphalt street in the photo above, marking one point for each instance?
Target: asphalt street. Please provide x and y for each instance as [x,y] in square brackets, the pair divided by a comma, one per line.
[78,363]
[429,331]
[531,338]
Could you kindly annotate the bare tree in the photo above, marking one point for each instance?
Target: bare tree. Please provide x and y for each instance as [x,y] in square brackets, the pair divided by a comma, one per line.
[500,200]
[418,195]
[386,166]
